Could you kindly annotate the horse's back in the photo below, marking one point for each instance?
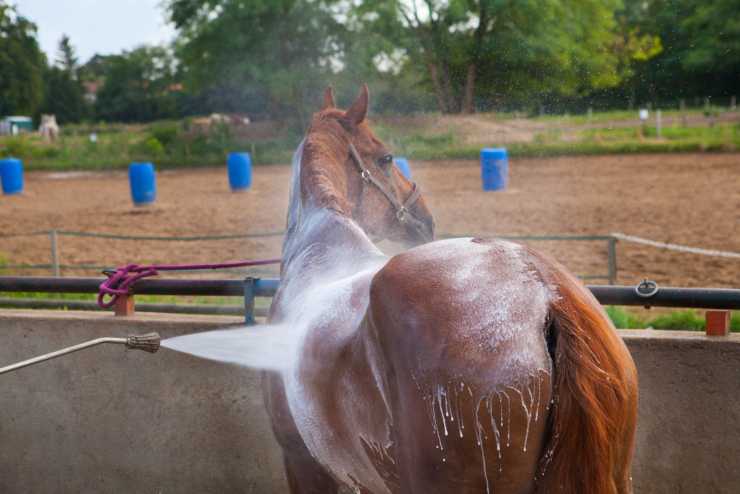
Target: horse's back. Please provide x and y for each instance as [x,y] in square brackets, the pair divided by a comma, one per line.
[461,324]
[486,297]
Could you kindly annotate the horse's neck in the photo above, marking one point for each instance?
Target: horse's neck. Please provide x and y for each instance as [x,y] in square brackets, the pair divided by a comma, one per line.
[320,243]
[325,245]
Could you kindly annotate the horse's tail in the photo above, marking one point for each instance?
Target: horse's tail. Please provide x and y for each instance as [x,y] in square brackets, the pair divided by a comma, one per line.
[594,413]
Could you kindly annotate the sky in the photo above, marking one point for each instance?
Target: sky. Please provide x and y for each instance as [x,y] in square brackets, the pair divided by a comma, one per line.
[97,26]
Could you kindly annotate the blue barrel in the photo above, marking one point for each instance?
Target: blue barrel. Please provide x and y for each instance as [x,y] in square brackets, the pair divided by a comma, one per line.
[240,171]
[11,173]
[143,183]
[403,165]
[494,168]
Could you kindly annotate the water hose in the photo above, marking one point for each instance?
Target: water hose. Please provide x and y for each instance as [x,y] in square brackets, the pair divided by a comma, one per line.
[148,342]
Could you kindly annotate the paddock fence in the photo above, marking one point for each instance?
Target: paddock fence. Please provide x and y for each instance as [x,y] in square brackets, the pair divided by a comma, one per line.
[647,294]
[56,267]
[253,289]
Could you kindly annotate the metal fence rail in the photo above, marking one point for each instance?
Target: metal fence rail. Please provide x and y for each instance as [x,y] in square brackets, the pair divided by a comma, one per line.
[250,288]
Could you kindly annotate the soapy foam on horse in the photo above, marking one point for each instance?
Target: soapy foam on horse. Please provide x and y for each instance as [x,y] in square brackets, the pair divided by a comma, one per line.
[493,312]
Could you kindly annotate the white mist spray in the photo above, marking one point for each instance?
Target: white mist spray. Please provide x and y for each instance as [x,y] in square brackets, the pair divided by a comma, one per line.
[319,276]
[270,347]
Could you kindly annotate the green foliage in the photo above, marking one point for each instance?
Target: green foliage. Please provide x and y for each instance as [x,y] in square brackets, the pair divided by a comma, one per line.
[257,56]
[63,92]
[17,146]
[714,31]
[497,51]
[623,319]
[700,49]
[66,58]
[271,59]
[63,96]
[151,148]
[165,132]
[678,320]
[21,64]
[138,86]
[176,144]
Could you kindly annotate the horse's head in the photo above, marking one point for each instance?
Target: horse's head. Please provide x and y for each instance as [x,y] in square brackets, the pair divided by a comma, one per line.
[346,168]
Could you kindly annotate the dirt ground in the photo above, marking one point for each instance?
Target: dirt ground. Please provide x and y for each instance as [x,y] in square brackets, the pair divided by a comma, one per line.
[690,199]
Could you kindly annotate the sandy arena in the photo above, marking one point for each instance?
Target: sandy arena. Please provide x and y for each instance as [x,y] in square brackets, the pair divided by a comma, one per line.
[690,199]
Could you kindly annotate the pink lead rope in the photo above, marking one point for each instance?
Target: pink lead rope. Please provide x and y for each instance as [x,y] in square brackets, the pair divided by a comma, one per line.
[120,282]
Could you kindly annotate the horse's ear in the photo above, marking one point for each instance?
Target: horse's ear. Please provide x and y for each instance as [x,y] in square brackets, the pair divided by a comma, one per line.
[358,111]
[328,98]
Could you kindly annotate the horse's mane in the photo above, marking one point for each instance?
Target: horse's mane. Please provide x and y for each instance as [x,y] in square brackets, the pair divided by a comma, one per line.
[316,167]
[322,164]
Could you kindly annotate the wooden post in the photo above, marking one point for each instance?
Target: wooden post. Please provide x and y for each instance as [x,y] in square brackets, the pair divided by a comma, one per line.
[733,103]
[612,259]
[53,238]
[658,124]
[124,306]
[718,322]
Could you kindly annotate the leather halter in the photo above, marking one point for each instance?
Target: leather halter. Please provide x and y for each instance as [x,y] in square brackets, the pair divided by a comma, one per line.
[403,214]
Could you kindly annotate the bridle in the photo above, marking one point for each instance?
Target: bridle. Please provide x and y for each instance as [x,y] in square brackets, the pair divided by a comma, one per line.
[403,213]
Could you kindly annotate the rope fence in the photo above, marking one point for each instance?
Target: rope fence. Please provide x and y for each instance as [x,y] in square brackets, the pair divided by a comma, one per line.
[676,247]
[56,266]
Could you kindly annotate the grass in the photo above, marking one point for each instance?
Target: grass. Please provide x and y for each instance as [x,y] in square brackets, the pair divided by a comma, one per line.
[171,144]
[167,144]
[682,320]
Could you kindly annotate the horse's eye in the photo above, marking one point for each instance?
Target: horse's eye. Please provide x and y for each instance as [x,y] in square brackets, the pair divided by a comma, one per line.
[385,160]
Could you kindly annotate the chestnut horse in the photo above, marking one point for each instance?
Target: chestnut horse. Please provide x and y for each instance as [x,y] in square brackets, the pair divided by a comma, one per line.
[462,365]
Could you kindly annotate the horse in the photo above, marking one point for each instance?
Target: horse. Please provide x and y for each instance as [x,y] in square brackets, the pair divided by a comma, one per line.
[461,365]
[49,129]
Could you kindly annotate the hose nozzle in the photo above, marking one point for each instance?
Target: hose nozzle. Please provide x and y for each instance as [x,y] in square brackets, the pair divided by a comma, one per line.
[148,342]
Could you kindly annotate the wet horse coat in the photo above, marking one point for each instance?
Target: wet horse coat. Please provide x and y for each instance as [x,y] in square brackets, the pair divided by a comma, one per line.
[457,365]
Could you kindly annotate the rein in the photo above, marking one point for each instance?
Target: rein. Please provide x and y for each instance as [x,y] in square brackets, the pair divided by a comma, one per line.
[403,214]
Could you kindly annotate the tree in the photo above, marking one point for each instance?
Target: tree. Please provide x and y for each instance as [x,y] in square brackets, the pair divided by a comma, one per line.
[257,56]
[700,49]
[63,94]
[138,86]
[21,64]
[480,52]
[66,57]
[714,30]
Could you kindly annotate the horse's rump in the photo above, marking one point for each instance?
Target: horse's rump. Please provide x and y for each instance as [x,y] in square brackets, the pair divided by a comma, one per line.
[461,326]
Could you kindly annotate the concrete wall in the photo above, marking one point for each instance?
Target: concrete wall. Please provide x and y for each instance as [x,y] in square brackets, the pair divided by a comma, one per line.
[688,433]
[110,420]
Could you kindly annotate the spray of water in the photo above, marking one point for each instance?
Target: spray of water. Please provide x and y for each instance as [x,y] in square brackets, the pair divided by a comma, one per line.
[321,279]
[268,346]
